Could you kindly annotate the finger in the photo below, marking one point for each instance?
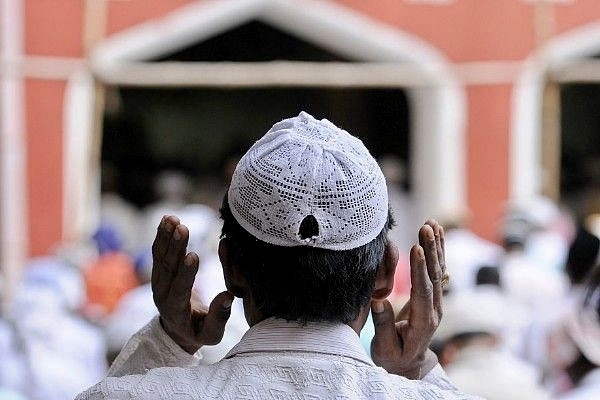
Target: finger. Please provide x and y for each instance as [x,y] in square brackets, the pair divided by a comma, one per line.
[161,285]
[421,291]
[180,292]
[163,236]
[439,296]
[438,233]
[213,325]
[434,266]
[442,251]
[428,242]
[427,238]
[177,248]
[385,340]
[161,275]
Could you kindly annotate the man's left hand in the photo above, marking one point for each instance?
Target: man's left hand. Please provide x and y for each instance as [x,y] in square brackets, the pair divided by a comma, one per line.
[173,274]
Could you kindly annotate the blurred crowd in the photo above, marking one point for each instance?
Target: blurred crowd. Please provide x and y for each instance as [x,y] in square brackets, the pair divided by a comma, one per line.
[74,309]
[521,315]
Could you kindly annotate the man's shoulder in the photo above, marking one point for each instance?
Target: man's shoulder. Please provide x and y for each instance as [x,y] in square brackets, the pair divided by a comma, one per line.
[156,382]
[265,375]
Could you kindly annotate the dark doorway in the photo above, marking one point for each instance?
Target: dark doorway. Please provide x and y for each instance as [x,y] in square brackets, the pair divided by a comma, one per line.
[580,153]
[251,42]
[199,130]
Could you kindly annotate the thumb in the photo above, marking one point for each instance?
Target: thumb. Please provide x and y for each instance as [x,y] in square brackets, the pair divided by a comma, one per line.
[385,340]
[219,311]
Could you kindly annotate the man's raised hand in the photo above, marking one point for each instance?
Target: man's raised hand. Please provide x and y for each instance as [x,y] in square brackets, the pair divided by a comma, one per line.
[173,274]
[401,343]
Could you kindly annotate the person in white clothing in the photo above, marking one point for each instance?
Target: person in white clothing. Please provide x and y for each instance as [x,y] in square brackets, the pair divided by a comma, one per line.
[304,245]
[579,350]
[466,252]
[474,352]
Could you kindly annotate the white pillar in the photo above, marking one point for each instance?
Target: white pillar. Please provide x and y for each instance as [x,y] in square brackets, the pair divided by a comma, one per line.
[81,171]
[13,165]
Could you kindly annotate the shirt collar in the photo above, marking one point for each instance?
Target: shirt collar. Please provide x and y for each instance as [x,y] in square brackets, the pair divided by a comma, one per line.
[275,335]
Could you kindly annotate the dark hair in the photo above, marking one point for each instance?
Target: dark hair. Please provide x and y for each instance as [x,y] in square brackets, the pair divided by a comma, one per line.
[488,275]
[463,339]
[304,283]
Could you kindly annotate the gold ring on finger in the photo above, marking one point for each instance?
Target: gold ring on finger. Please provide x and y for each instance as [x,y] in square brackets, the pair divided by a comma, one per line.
[445,279]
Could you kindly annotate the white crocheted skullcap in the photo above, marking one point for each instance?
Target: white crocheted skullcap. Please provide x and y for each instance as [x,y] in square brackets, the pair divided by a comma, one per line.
[303,167]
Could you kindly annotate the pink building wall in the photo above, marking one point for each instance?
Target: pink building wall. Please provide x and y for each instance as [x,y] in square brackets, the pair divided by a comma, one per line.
[463,30]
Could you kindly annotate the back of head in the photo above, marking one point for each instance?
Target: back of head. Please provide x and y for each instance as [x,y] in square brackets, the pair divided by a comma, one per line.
[488,275]
[306,217]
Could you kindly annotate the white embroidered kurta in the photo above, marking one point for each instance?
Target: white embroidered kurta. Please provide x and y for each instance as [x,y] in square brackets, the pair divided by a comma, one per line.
[274,360]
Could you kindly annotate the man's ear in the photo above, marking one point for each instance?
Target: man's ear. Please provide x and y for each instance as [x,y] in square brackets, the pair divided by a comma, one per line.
[234,281]
[384,281]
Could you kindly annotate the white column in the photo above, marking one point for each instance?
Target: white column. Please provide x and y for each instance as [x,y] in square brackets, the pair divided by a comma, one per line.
[81,174]
[13,165]
[438,149]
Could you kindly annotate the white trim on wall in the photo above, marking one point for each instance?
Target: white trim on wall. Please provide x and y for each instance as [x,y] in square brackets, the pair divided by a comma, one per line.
[438,105]
[81,187]
[526,170]
[13,163]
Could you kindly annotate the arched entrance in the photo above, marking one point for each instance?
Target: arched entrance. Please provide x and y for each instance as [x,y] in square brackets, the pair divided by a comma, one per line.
[382,58]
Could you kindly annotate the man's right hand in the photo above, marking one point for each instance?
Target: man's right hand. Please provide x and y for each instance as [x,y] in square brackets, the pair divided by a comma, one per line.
[173,274]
